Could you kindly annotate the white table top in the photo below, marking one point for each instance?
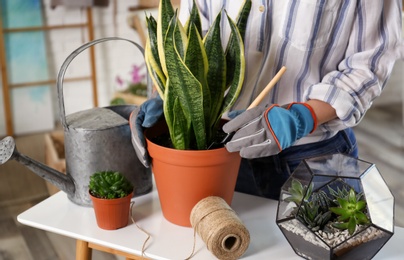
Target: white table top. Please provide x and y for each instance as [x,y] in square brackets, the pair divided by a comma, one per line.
[59,215]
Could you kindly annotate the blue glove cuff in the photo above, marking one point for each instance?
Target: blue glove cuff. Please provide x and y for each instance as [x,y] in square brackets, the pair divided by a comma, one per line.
[305,116]
[289,125]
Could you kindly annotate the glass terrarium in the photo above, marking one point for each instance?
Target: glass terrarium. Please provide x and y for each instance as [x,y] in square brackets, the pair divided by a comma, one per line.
[336,207]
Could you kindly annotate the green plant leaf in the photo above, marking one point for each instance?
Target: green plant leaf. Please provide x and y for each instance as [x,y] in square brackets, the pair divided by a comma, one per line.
[362,218]
[195,58]
[180,80]
[338,210]
[344,216]
[352,196]
[360,205]
[179,72]
[340,225]
[216,78]
[180,127]
[166,13]
[236,84]
[180,37]
[195,19]
[351,225]
[197,62]
[243,17]
[152,57]
[297,186]
[241,23]
[343,203]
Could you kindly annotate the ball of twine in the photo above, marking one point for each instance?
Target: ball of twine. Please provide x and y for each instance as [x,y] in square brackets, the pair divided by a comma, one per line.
[220,228]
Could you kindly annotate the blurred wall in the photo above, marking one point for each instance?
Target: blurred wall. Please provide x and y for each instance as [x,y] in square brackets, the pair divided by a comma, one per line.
[112,58]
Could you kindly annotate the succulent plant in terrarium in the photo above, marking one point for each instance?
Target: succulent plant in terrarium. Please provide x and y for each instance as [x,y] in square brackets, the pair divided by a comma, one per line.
[351,210]
[315,213]
[298,192]
[109,185]
[341,208]
[336,207]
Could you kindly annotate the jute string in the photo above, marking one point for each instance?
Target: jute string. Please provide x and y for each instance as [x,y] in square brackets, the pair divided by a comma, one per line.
[220,228]
[144,231]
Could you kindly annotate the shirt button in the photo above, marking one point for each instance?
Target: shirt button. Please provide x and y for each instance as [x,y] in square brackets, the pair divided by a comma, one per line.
[262,8]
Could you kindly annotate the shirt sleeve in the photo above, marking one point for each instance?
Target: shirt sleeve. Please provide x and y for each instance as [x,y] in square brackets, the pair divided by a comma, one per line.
[374,45]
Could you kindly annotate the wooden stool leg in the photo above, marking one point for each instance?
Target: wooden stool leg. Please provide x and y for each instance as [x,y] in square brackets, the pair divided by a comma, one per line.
[83,251]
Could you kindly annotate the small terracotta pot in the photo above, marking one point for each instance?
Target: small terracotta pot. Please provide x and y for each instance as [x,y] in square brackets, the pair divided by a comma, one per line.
[112,214]
[184,177]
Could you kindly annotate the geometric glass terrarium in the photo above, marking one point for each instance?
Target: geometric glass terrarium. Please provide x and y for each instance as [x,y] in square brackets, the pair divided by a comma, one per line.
[336,207]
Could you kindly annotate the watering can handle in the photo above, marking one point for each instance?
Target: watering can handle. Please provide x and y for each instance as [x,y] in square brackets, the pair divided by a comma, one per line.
[66,63]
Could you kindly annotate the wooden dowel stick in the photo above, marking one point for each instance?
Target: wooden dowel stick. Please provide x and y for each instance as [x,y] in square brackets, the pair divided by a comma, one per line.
[270,85]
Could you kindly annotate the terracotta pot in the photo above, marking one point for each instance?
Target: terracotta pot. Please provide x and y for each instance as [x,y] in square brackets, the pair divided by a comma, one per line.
[112,214]
[184,177]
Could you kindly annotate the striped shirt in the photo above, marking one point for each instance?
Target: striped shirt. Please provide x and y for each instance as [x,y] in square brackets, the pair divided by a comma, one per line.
[338,51]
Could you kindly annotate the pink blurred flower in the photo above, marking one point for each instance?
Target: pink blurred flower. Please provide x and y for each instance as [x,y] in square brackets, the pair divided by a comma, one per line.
[135,73]
[120,82]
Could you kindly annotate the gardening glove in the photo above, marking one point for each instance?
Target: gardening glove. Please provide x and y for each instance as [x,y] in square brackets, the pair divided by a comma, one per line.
[265,131]
[146,115]
[233,114]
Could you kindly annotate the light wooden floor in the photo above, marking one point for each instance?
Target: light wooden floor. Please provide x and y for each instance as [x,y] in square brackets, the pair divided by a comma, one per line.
[380,137]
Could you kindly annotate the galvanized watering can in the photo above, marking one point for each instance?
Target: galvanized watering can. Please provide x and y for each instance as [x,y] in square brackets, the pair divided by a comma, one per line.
[97,139]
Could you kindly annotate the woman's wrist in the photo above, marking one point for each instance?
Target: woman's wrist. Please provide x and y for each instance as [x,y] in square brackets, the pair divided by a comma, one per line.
[323,110]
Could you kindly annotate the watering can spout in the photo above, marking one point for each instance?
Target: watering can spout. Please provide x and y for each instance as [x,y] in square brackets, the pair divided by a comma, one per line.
[8,151]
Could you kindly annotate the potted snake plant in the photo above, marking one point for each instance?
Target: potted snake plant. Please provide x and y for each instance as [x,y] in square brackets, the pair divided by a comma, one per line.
[111,194]
[198,81]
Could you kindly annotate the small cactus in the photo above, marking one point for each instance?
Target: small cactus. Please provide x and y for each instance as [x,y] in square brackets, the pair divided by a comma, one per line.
[109,185]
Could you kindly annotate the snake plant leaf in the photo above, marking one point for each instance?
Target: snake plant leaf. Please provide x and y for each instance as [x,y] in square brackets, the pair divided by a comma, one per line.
[152,37]
[180,36]
[184,85]
[241,23]
[242,19]
[196,58]
[195,19]
[180,127]
[216,77]
[165,14]
[236,84]
[190,73]
[152,57]
[197,62]
[155,71]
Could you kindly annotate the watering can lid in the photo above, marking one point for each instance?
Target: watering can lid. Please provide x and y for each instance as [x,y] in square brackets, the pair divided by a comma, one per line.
[95,119]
